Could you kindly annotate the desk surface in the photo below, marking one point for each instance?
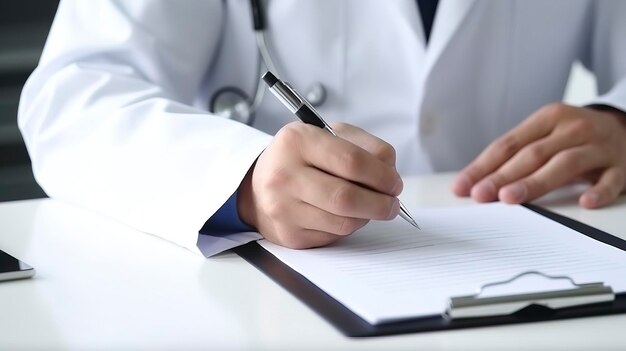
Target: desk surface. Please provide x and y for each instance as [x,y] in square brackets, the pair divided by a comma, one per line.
[102,285]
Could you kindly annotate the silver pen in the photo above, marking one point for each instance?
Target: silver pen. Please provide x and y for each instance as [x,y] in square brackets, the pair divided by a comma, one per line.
[299,106]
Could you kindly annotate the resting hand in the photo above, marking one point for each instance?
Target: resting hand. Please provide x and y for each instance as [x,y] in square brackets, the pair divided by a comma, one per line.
[310,188]
[554,146]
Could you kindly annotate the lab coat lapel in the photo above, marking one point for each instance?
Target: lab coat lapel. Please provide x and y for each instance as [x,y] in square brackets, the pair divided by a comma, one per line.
[449,17]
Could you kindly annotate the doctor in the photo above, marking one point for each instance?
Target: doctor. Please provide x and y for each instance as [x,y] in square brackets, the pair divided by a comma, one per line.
[121,114]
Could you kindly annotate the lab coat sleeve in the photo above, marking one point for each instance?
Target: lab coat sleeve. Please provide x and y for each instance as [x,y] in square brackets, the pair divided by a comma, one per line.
[108,121]
[606,54]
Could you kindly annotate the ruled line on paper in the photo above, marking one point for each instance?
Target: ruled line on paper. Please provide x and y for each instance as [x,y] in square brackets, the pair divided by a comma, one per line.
[388,271]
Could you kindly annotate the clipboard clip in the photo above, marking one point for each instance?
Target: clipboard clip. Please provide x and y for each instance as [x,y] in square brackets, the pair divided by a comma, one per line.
[475,306]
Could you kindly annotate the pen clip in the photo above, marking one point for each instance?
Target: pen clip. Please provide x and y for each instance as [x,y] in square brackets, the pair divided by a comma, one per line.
[294,93]
[287,95]
[304,101]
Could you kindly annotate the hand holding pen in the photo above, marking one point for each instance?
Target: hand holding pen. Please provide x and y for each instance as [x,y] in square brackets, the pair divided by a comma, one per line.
[309,188]
[298,105]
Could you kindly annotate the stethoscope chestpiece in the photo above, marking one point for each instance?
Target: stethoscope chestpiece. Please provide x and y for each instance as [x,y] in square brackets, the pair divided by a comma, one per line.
[232,103]
[316,94]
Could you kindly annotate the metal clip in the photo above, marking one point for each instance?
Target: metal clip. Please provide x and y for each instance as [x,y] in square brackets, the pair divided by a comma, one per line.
[474,306]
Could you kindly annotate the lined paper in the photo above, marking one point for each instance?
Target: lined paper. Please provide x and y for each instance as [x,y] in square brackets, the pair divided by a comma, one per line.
[390,271]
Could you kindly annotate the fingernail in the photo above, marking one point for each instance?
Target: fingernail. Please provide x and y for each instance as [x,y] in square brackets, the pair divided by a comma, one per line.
[514,193]
[484,191]
[462,185]
[397,189]
[395,210]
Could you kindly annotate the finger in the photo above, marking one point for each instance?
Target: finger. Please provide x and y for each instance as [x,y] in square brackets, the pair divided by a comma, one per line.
[525,162]
[372,144]
[345,160]
[533,128]
[561,169]
[314,218]
[302,238]
[343,198]
[610,184]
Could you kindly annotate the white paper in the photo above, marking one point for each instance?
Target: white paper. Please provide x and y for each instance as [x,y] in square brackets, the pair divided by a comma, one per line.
[389,271]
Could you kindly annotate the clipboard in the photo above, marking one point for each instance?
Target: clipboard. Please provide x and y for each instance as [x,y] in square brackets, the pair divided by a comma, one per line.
[351,325]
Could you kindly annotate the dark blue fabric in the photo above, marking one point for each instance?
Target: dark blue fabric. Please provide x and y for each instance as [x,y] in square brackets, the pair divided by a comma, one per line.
[226,220]
[427,9]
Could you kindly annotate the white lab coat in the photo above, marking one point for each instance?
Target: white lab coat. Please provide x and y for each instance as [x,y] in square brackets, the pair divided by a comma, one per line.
[115,116]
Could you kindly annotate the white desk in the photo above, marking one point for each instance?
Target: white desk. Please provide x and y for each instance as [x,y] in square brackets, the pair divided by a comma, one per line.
[102,285]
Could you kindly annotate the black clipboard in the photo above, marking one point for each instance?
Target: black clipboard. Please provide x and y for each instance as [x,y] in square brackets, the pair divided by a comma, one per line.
[352,325]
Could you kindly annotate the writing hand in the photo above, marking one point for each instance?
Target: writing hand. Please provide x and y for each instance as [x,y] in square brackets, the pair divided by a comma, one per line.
[554,146]
[310,188]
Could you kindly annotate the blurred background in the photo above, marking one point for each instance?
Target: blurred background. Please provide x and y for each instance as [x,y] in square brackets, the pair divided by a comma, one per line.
[24,25]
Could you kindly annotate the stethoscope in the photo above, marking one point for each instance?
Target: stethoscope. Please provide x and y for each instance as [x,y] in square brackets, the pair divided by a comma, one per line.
[232,102]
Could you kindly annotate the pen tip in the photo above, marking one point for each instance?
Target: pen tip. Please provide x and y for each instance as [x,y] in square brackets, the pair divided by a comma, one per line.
[413,222]
[416,225]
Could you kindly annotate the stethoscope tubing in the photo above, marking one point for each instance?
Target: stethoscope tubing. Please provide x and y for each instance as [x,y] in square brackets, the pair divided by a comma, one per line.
[265,63]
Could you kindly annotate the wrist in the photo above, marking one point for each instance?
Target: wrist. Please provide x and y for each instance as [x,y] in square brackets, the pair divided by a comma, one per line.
[610,110]
[245,199]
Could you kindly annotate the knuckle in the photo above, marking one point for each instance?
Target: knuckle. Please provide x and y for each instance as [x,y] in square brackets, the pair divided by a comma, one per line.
[555,110]
[277,179]
[507,145]
[535,156]
[351,161]
[570,160]
[385,152]
[343,198]
[290,134]
[580,128]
